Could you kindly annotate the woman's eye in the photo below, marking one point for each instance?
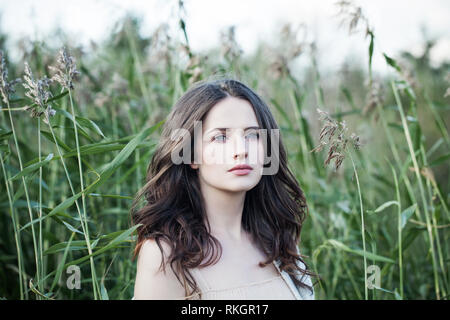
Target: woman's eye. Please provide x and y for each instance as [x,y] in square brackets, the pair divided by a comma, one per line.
[253,135]
[220,137]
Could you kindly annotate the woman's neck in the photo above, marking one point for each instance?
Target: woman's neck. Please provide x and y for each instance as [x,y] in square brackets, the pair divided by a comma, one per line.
[224,212]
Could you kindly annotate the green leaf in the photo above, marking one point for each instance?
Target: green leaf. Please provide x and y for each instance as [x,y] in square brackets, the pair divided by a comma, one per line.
[49,137]
[372,256]
[120,238]
[61,264]
[440,160]
[407,214]
[59,96]
[32,168]
[348,96]
[69,116]
[72,228]
[96,148]
[48,210]
[392,63]
[385,205]
[82,122]
[103,291]
[62,94]
[410,235]
[395,126]
[371,50]
[74,245]
[89,124]
[116,196]
[59,208]
[282,113]
[395,293]
[5,135]
[80,244]
[122,156]
[70,130]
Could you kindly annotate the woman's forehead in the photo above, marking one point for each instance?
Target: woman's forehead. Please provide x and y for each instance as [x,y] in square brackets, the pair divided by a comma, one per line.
[232,113]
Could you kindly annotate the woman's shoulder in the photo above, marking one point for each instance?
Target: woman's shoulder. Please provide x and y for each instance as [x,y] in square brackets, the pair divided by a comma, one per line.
[151,281]
[150,250]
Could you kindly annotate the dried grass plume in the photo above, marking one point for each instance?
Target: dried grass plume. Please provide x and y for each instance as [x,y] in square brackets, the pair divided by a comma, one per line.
[335,135]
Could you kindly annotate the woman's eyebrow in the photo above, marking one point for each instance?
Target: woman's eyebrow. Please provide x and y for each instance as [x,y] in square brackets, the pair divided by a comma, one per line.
[224,129]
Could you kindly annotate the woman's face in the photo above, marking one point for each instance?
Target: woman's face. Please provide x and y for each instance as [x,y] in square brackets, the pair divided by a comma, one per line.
[230,137]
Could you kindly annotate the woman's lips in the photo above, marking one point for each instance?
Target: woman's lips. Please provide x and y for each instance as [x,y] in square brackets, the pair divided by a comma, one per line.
[241,172]
[241,169]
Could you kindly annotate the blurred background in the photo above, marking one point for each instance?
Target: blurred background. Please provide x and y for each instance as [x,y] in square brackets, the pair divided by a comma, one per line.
[380,70]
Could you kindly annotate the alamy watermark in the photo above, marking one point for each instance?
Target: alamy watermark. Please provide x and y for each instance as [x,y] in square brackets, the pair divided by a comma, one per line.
[184,148]
[373,281]
[74,280]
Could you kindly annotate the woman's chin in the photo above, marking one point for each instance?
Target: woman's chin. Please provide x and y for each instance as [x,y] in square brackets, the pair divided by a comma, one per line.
[238,186]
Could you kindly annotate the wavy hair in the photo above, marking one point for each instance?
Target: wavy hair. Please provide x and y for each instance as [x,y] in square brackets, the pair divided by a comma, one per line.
[273,213]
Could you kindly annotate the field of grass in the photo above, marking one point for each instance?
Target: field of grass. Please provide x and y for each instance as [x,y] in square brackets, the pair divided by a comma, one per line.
[371,153]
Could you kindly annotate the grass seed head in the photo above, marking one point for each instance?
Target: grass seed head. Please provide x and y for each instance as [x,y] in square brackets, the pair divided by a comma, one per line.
[352,15]
[38,92]
[66,70]
[408,74]
[335,135]
[290,46]
[6,87]
[374,97]
[194,68]
[230,49]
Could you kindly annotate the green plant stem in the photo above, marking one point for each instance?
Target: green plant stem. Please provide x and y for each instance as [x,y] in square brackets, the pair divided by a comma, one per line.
[438,119]
[143,86]
[41,256]
[419,180]
[434,221]
[15,227]
[26,195]
[137,155]
[76,201]
[399,228]
[317,88]
[362,227]
[14,109]
[83,197]
[396,155]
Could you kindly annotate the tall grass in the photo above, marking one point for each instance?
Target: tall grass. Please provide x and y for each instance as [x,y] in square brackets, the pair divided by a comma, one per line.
[67,184]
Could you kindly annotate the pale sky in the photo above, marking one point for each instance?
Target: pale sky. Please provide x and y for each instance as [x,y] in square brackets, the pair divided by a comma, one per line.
[396,23]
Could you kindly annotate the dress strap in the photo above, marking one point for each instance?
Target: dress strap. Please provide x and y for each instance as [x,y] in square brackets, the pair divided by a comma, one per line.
[288,280]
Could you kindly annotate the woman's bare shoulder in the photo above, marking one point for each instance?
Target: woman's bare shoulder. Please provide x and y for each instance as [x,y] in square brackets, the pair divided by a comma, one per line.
[151,281]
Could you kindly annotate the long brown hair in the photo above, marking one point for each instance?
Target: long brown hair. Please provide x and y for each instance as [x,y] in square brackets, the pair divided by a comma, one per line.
[274,210]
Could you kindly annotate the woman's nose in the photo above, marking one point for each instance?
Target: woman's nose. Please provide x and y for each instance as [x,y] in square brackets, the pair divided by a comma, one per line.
[240,147]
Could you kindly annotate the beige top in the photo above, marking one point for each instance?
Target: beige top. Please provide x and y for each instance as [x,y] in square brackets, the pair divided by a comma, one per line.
[275,288]
[281,287]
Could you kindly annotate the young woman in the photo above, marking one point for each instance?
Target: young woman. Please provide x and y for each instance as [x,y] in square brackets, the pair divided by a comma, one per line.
[219,210]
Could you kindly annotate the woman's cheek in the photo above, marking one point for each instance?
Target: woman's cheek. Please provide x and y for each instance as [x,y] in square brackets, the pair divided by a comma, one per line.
[214,154]
[260,153]
[208,155]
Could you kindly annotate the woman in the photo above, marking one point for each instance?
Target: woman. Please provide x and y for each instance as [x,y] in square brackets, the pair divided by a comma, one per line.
[222,213]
